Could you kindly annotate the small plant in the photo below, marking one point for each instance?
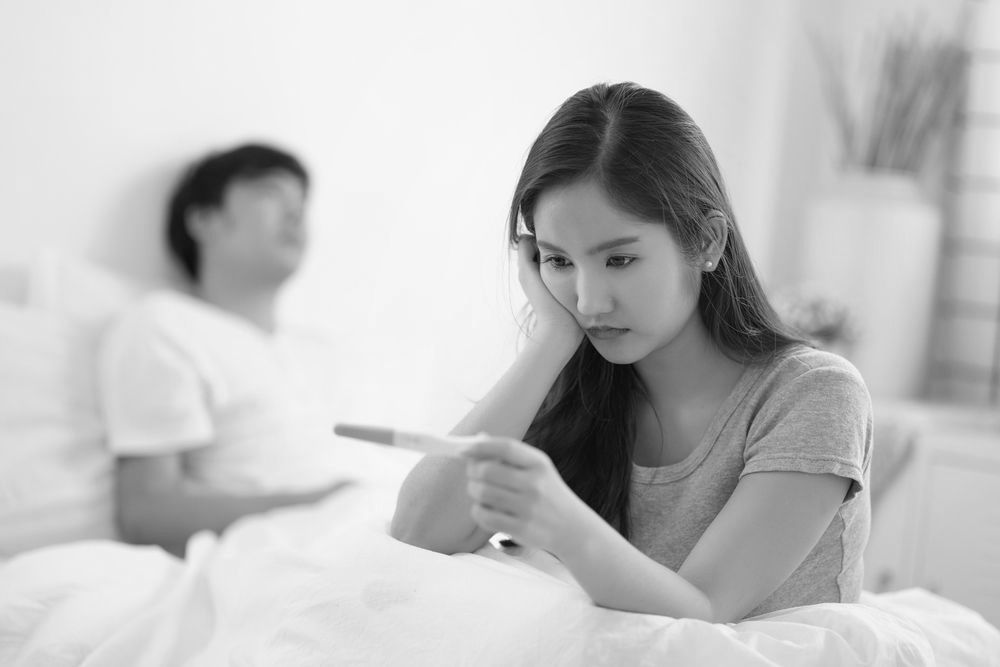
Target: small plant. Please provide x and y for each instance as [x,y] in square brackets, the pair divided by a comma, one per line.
[907,97]
[823,319]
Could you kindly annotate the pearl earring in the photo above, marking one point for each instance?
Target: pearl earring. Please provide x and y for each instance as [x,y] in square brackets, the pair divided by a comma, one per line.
[708,263]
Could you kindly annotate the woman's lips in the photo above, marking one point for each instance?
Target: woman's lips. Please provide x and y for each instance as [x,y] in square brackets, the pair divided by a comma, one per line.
[605,333]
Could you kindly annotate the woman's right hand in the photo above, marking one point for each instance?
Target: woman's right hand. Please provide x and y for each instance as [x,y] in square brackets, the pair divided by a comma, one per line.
[551,318]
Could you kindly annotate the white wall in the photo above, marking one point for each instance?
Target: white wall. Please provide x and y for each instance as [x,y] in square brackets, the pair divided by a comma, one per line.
[414,117]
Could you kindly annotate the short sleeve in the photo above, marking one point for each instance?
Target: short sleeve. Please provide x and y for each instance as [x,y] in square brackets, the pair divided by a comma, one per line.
[819,421]
[153,397]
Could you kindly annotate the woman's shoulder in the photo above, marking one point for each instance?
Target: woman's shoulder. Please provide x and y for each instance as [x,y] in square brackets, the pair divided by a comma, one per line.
[798,359]
[802,373]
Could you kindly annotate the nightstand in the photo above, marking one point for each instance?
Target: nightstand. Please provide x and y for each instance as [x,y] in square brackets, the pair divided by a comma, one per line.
[937,525]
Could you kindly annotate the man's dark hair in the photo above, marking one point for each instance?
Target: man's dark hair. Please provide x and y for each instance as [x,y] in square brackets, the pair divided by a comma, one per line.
[204,185]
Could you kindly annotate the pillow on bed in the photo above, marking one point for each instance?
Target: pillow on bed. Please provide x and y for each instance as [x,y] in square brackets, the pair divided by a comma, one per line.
[56,477]
[77,290]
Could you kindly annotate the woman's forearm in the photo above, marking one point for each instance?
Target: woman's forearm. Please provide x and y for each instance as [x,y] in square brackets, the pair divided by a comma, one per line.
[510,406]
[616,575]
[432,510]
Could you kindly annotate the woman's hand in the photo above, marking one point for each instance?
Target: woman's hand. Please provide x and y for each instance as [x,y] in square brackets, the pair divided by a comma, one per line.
[551,318]
[516,489]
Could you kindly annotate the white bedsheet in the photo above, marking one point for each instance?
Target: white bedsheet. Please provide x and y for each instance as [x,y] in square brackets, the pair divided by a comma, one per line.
[325,585]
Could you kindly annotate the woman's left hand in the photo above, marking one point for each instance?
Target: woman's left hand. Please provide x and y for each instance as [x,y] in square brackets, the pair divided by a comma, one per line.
[516,489]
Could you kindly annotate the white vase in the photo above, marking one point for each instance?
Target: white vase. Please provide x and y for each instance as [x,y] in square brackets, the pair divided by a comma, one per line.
[873,242]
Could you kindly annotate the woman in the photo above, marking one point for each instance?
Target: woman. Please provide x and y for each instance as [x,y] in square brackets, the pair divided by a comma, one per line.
[682,453]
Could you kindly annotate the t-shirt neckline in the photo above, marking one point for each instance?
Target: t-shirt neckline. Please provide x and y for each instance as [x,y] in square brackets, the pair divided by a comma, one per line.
[680,469]
[222,315]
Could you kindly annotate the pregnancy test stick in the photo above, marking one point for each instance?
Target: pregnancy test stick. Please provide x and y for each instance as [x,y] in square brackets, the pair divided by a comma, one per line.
[436,445]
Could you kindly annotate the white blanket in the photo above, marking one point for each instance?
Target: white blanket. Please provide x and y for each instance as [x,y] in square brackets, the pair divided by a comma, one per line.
[326,585]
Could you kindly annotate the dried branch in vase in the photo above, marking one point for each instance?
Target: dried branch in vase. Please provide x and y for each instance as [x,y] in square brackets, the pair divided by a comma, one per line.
[904,103]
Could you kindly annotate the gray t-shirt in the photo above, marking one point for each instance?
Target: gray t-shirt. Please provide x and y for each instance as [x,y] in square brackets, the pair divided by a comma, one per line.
[806,411]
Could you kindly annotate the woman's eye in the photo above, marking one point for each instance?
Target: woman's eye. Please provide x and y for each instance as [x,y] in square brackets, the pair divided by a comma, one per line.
[618,261]
[555,261]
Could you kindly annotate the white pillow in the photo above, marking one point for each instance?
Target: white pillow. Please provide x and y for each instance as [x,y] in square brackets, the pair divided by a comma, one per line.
[56,476]
[56,481]
[78,290]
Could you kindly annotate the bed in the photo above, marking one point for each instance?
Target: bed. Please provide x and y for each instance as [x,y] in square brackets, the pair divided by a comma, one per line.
[325,584]
[278,590]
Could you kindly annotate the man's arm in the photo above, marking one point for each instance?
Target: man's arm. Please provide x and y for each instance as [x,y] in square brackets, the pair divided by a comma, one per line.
[156,505]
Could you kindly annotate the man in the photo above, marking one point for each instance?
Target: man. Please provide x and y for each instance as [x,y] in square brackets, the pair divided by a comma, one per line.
[204,409]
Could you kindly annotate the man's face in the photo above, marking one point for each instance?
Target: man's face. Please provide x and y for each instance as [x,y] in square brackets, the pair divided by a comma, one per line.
[259,228]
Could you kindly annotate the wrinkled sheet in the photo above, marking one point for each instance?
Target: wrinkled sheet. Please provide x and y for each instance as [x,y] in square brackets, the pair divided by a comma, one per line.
[325,585]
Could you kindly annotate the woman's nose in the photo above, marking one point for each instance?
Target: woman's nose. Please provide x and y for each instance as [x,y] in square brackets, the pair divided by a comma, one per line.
[593,295]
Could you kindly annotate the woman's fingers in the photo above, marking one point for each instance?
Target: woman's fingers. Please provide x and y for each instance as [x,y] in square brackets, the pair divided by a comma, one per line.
[527,253]
[494,520]
[528,272]
[512,452]
[551,317]
[496,497]
[506,481]
[496,473]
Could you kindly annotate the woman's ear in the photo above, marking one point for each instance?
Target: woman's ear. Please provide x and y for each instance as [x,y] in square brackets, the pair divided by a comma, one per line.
[716,235]
[198,221]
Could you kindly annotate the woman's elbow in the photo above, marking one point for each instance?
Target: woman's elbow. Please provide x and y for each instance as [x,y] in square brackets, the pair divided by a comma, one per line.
[424,533]
[431,512]
[400,529]
[407,527]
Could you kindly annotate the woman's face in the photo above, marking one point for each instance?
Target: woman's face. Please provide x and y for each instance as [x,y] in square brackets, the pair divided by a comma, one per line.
[625,280]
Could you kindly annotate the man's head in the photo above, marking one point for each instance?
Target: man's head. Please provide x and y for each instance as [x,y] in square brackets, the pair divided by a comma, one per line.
[243,210]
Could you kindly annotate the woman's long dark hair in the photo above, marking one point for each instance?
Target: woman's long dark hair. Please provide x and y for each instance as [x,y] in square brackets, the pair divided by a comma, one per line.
[652,161]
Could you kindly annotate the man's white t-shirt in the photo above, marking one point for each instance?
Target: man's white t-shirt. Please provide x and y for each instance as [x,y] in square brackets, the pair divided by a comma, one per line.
[179,375]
